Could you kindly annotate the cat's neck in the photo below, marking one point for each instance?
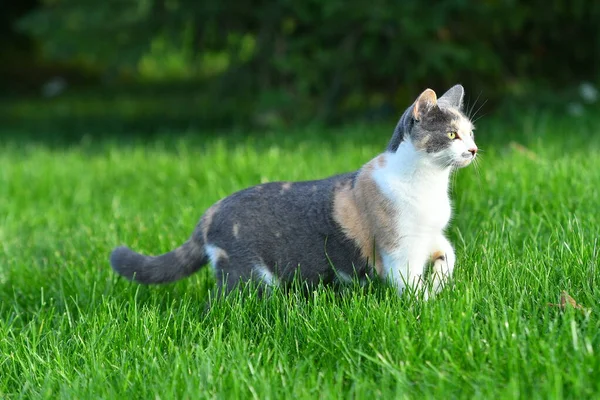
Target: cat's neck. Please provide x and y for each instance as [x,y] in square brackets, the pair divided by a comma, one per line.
[410,174]
[411,166]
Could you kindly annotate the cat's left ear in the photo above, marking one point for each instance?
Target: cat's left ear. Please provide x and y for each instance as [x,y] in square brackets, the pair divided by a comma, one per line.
[424,103]
[453,97]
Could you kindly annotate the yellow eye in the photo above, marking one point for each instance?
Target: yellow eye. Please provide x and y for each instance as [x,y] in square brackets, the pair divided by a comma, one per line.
[452,135]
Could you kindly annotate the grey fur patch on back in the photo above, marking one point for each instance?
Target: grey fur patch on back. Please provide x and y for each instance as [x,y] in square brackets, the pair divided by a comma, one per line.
[286,227]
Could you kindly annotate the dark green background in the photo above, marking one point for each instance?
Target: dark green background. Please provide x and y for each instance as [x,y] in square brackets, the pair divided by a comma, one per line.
[268,63]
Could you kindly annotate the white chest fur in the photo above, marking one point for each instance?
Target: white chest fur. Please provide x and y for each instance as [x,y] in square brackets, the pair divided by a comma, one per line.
[417,189]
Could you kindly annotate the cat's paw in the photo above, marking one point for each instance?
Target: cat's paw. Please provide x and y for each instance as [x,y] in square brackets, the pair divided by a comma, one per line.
[441,272]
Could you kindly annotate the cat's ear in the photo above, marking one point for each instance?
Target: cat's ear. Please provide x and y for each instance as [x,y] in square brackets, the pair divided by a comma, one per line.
[453,97]
[424,103]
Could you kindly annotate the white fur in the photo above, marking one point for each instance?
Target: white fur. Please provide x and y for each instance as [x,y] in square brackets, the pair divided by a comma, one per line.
[265,275]
[417,185]
[346,279]
[343,277]
[465,126]
[214,253]
[461,147]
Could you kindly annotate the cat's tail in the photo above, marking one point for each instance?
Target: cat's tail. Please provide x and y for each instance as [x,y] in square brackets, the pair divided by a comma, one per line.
[169,267]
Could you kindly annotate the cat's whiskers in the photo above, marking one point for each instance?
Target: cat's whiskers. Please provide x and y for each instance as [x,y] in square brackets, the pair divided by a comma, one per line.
[479,117]
[445,160]
[452,182]
[469,113]
[476,166]
[472,117]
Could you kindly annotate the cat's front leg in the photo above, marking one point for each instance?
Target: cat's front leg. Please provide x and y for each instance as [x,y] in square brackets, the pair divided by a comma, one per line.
[443,260]
[404,267]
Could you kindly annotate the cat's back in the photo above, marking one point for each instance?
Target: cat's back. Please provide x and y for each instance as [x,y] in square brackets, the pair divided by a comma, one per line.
[277,209]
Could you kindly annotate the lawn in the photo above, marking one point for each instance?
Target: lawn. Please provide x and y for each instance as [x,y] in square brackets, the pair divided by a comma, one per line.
[525,229]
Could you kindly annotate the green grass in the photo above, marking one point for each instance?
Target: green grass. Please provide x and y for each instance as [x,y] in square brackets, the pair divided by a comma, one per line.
[525,228]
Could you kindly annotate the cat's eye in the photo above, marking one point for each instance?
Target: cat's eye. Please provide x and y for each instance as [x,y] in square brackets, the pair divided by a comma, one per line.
[452,135]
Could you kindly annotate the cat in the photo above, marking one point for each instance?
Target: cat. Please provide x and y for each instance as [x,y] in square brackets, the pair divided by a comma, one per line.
[386,219]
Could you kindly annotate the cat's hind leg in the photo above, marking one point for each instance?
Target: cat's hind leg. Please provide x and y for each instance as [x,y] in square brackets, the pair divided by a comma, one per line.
[237,269]
[226,270]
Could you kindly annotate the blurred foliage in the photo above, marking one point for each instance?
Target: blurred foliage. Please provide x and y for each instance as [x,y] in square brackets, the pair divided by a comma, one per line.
[293,60]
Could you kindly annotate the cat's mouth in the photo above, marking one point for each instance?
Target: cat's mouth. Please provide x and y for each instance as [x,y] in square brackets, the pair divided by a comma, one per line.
[467,158]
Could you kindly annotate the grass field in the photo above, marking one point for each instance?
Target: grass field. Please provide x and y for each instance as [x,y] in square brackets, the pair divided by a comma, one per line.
[525,228]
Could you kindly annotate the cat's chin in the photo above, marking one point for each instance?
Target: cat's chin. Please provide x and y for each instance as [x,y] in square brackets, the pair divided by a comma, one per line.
[462,163]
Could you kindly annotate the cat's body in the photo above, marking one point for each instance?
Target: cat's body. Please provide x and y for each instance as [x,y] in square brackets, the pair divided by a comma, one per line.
[385,219]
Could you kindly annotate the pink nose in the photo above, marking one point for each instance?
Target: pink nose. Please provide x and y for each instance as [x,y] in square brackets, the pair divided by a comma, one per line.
[473,150]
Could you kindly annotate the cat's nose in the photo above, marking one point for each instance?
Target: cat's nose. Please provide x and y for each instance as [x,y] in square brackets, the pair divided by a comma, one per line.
[473,150]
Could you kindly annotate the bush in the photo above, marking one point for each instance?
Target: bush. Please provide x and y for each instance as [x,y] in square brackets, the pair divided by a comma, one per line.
[332,58]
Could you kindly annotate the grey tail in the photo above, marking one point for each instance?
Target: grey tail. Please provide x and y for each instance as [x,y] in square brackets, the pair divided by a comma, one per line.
[169,267]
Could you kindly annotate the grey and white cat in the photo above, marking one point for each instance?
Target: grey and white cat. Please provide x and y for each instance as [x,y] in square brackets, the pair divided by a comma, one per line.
[386,218]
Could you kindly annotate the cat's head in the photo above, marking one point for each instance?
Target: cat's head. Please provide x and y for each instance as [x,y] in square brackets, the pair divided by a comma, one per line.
[438,129]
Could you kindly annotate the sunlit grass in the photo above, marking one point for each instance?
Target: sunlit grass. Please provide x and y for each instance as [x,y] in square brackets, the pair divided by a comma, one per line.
[525,228]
